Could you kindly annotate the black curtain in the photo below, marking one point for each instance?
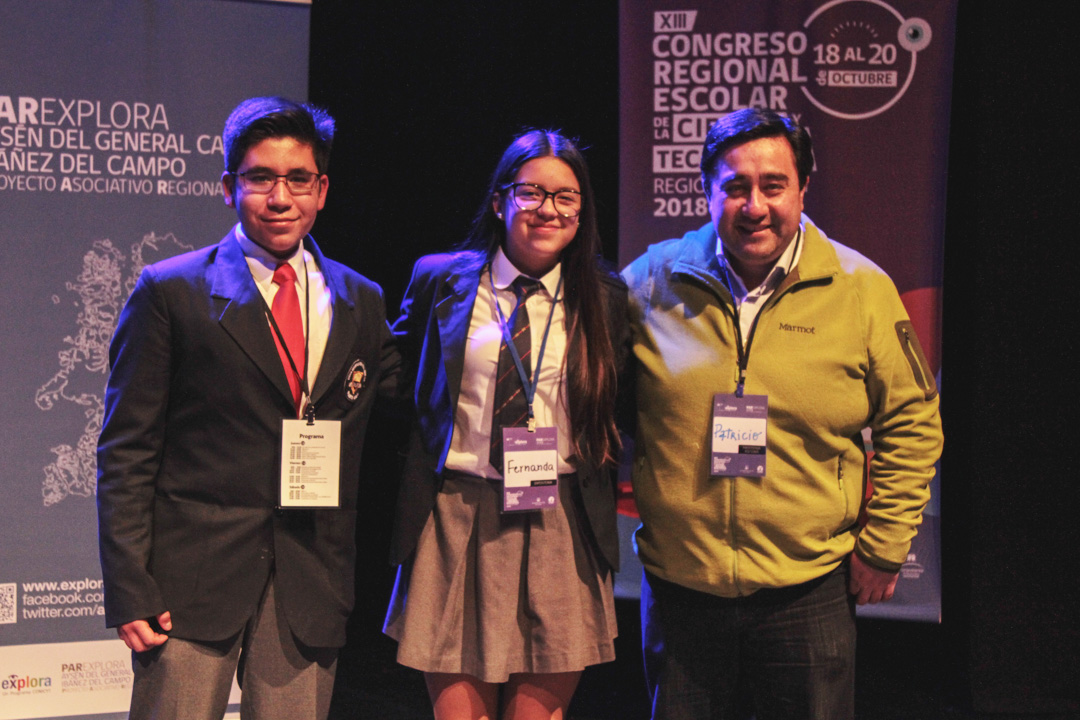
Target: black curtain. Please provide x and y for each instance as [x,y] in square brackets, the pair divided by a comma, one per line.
[428,95]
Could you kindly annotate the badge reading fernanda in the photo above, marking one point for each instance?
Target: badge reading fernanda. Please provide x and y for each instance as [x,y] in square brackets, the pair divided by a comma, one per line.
[530,469]
[354,379]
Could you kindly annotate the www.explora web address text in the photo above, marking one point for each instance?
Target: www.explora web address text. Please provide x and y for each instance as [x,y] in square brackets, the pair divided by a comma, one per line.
[62,598]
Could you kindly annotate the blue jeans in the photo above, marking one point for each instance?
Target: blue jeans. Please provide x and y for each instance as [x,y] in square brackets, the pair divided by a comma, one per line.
[781,654]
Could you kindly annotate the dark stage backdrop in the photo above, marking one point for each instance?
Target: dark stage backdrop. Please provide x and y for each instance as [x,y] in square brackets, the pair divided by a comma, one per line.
[436,92]
[110,158]
[434,96]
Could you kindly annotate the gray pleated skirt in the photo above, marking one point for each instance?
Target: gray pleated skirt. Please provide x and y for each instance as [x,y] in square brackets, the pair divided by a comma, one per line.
[490,594]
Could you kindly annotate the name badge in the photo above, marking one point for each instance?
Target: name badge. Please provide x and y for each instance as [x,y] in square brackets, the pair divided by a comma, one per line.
[310,464]
[738,435]
[530,469]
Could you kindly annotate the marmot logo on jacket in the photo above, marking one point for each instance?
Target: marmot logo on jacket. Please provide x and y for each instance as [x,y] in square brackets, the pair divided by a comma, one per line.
[797,328]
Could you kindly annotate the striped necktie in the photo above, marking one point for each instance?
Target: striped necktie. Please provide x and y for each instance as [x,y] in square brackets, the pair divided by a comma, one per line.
[511,405]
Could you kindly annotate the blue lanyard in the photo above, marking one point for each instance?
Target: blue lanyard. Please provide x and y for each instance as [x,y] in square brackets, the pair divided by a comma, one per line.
[530,387]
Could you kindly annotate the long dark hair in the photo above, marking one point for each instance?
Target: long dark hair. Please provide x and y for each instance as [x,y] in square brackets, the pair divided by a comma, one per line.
[590,357]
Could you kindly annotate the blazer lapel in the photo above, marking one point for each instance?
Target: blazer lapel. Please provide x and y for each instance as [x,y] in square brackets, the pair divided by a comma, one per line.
[242,312]
[453,308]
[344,326]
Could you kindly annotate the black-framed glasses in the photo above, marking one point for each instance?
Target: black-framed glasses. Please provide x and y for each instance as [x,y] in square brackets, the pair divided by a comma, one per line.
[262,182]
[527,196]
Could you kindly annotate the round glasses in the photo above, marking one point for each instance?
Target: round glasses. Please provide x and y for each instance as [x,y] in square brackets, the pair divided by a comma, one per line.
[261,182]
[527,196]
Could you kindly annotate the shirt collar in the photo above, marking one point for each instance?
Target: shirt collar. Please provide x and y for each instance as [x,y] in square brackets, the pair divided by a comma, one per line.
[784,264]
[264,263]
[503,272]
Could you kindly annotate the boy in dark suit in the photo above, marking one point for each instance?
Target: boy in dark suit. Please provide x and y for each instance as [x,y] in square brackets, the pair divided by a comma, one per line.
[212,557]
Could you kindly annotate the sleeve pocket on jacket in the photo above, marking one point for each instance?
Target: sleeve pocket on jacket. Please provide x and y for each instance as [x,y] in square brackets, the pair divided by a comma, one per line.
[909,342]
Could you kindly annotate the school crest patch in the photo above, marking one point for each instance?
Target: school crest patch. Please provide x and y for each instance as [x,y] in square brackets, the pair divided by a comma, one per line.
[355,379]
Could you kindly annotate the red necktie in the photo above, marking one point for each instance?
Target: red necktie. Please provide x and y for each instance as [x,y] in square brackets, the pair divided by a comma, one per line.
[286,309]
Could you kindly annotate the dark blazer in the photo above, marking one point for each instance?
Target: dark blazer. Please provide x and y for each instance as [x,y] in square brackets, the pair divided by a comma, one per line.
[431,333]
[188,458]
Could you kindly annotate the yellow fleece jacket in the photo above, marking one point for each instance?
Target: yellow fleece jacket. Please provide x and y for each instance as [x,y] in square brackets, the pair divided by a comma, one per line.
[834,351]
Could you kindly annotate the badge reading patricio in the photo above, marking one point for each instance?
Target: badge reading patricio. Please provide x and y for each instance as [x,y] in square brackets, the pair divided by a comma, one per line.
[738,435]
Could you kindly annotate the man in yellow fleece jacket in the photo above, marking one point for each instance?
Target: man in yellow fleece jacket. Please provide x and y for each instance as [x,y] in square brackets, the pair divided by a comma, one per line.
[763,349]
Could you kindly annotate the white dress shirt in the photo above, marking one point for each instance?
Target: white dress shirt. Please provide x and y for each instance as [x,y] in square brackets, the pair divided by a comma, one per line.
[310,283]
[470,445]
[750,302]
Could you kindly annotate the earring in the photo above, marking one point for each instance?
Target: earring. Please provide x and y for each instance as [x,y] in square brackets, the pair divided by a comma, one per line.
[499,215]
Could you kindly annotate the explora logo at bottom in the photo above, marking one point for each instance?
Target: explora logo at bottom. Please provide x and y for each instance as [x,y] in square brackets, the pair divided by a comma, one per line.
[18,684]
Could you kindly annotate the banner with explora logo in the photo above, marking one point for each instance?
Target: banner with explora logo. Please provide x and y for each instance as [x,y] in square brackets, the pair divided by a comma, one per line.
[110,159]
